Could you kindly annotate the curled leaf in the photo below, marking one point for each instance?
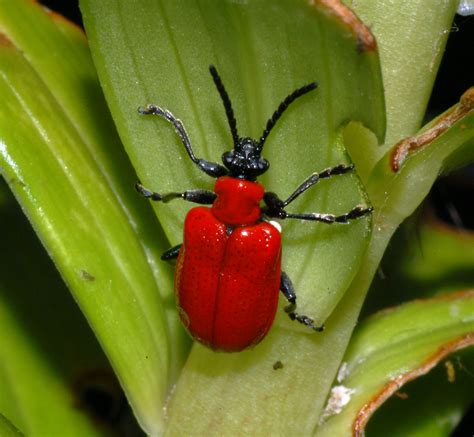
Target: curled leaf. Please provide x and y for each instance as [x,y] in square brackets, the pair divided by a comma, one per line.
[396,346]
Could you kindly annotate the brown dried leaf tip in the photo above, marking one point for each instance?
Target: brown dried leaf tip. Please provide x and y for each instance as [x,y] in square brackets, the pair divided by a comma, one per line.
[397,382]
[335,8]
[401,150]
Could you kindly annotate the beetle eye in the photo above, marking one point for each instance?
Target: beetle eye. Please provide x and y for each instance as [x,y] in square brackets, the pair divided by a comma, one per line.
[263,164]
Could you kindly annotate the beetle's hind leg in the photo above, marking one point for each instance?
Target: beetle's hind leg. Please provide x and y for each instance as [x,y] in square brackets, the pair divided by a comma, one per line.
[171,253]
[355,213]
[288,291]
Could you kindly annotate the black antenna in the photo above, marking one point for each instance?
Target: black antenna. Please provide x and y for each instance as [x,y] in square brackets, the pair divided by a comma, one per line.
[283,105]
[227,104]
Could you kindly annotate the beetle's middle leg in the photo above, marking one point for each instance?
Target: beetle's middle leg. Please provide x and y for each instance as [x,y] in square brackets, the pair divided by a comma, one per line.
[203,197]
[288,291]
[171,253]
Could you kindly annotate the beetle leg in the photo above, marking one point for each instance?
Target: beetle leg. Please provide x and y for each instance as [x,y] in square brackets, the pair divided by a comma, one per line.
[288,291]
[355,213]
[171,253]
[203,197]
[315,177]
[274,205]
[211,168]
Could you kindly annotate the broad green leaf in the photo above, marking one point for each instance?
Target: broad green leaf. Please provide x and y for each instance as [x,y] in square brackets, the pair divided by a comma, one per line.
[159,52]
[136,68]
[62,158]
[411,36]
[44,37]
[396,346]
[46,345]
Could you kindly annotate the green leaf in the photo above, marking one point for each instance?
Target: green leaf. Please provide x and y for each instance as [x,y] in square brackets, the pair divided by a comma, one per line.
[63,160]
[151,52]
[396,346]
[46,345]
[172,71]
[411,36]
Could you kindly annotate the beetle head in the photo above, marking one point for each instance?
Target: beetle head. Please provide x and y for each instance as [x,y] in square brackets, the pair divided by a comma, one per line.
[245,161]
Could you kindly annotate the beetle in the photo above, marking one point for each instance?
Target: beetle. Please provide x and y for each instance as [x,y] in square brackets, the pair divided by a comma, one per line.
[228,269]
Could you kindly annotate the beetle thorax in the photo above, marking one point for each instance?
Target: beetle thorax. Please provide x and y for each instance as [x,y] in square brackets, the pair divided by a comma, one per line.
[238,201]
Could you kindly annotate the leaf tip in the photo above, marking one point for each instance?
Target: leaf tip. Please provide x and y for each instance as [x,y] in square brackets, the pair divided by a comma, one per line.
[365,41]
[402,149]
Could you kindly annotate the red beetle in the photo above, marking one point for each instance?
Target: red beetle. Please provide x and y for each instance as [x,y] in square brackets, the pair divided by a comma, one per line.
[228,270]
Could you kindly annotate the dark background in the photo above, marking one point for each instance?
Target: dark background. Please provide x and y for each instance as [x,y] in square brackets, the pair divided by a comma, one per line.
[454,77]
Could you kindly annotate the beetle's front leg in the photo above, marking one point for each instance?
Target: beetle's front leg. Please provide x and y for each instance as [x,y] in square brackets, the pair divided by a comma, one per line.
[288,291]
[211,168]
[203,197]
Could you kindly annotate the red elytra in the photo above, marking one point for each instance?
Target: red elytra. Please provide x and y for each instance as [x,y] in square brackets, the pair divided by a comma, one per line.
[228,270]
[227,284]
